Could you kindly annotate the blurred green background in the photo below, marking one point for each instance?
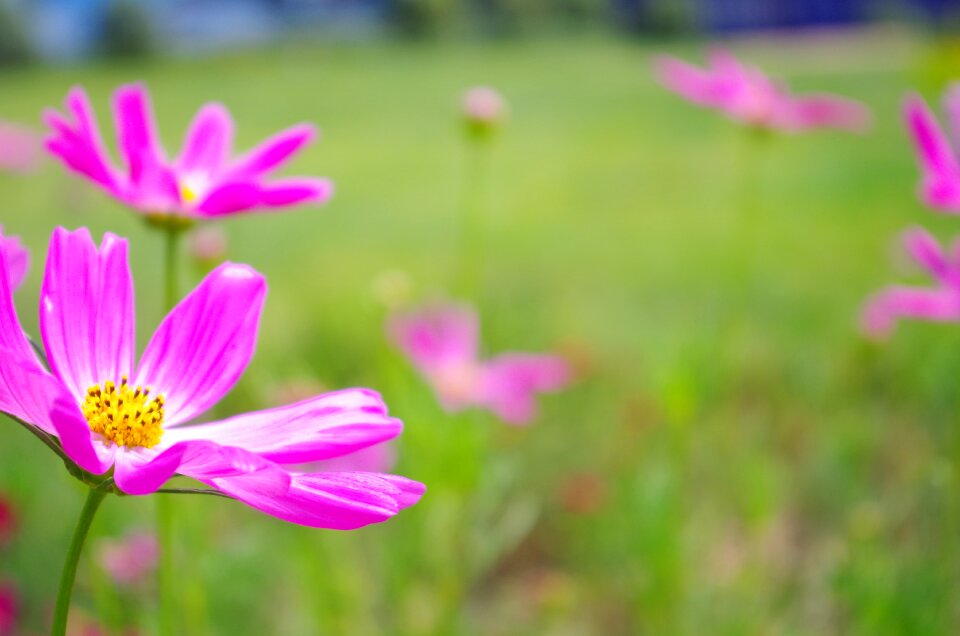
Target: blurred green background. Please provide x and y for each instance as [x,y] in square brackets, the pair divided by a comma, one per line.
[735,457]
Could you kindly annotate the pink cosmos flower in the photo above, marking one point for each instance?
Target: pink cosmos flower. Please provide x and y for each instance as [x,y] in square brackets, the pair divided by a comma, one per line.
[130,559]
[18,259]
[940,185]
[940,303]
[443,342]
[202,182]
[749,96]
[378,458]
[483,104]
[109,413]
[19,148]
[9,609]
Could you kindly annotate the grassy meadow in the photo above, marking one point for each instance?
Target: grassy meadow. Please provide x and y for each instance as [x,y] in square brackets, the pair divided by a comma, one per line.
[735,457]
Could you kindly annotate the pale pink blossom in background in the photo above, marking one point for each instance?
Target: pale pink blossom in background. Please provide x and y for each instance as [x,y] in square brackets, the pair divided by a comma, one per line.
[20,148]
[9,609]
[8,521]
[204,181]
[484,104]
[17,257]
[940,303]
[936,150]
[749,96]
[111,413]
[208,245]
[442,342]
[128,560]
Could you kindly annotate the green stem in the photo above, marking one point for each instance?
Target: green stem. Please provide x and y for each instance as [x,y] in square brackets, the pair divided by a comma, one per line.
[94,498]
[165,565]
[473,225]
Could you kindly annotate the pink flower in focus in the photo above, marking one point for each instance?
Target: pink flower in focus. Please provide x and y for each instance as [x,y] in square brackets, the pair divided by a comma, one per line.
[939,304]
[19,148]
[483,104]
[749,96]
[18,259]
[202,182]
[9,609]
[940,185]
[109,413]
[128,560]
[442,342]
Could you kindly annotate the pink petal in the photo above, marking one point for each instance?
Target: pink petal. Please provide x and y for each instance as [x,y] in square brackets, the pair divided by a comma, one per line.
[19,148]
[17,259]
[141,472]
[81,147]
[230,198]
[941,172]
[87,310]
[323,427]
[378,458]
[12,336]
[203,346]
[436,337]
[926,251]
[512,381]
[285,192]
[827,111]
[153,185]
[337,501]
[27,391]
[273,152]
[692,83]
[208,142]
[77,439]
[884,309]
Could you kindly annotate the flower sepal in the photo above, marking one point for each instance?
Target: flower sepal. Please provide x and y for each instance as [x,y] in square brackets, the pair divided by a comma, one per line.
[169,222]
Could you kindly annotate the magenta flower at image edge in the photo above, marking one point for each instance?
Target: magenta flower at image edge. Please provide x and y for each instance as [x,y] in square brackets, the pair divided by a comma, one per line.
[749,96]
[939,164]
[194,358]
[202,182]
[442,342]
[938,304]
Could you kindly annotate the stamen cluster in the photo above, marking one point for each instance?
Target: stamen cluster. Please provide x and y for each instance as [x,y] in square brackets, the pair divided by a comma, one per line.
[127,417]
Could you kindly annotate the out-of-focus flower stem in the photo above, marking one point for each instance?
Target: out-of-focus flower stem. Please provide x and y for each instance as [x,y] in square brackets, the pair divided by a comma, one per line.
[749,216]
[473,220]
[94,498]
[165,564]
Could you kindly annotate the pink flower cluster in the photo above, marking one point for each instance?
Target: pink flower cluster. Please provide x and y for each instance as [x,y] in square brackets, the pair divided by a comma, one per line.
[749,96]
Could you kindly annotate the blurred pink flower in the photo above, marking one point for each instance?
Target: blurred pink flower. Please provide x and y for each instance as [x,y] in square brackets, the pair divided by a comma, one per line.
[128,560]
[939,304]
[19,148]
[749,96]
[483,104]
[8,521]
[17,256]
[9,609]
[208,245]
[195,357]
[204,181]
[940,185]
[443,342]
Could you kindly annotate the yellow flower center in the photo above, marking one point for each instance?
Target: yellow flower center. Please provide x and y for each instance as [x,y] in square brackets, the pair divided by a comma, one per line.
[188,194]
[124,416]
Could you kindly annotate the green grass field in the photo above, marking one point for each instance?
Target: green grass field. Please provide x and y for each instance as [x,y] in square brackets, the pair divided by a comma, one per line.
[735,459]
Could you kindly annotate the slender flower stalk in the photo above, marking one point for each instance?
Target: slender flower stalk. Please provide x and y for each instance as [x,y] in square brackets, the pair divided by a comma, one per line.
[483,113]
[95,497]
